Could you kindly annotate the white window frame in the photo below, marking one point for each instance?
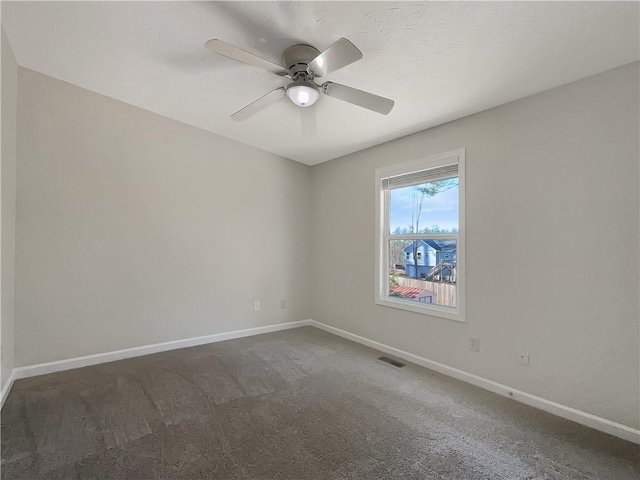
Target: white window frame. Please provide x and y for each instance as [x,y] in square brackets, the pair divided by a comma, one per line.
[383,236]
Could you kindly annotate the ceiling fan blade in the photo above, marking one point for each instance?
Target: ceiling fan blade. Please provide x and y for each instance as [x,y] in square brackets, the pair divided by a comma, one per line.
[260,104]
[358,97]
[308,122]
[222,48]
[338,55]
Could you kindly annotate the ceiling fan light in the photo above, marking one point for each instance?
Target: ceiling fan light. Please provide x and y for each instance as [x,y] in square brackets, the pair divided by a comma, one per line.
[302,95]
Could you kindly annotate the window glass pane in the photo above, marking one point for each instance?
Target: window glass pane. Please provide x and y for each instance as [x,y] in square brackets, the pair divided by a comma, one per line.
[423,271]
[427,208]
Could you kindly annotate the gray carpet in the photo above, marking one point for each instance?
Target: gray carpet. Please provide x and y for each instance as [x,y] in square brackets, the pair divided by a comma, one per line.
[297,404]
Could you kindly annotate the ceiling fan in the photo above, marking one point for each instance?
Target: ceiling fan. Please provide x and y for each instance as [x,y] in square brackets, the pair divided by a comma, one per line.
[303,64]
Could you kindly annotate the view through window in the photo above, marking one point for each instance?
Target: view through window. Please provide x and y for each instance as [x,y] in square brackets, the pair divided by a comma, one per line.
[420,237]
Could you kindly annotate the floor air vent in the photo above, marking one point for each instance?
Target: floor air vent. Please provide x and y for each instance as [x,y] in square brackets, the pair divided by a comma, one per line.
[393,362]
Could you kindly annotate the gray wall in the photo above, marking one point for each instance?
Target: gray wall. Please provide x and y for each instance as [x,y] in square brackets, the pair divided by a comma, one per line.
[552,182]
[135,229]
[8,200]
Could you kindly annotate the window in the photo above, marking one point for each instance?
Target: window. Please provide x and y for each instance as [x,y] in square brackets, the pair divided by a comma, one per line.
[420,225]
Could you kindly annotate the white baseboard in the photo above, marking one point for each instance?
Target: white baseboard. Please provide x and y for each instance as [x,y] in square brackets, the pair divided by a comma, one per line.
[6,388]
[78,362]
[583,418]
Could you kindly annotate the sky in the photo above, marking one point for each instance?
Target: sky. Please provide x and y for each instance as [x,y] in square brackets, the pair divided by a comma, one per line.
[441,209]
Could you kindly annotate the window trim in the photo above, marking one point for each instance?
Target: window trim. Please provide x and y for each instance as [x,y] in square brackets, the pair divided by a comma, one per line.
[382,235]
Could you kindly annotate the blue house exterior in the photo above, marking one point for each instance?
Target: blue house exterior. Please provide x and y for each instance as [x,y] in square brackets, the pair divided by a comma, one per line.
[431,253]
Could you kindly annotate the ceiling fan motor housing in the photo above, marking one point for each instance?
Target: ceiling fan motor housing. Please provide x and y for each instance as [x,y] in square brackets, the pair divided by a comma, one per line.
[302,91]
[297,58]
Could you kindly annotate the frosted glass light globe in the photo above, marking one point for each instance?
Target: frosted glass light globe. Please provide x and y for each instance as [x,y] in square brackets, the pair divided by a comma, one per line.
[302,95]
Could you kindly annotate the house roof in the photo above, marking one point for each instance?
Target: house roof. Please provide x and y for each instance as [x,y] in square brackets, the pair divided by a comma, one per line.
[411,292]
[439,245]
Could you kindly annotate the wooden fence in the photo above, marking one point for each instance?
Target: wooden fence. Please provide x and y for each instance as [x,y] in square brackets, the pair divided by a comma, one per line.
[445,292]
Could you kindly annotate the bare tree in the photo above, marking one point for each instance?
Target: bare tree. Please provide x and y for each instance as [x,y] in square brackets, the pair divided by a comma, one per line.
[420,192]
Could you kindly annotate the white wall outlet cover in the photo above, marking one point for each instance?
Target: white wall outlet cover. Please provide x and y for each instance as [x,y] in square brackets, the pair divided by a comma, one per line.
[474,344]
[256,306]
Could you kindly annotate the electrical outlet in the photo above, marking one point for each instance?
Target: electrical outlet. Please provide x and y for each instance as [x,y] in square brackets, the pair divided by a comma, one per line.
[474,344]
[256,306]
[282,304]
[522,357]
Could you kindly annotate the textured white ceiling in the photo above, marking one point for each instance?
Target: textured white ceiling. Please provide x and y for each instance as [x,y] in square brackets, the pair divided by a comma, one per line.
[438,61]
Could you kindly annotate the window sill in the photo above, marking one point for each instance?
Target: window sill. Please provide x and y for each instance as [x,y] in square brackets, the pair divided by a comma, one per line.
[433,311]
